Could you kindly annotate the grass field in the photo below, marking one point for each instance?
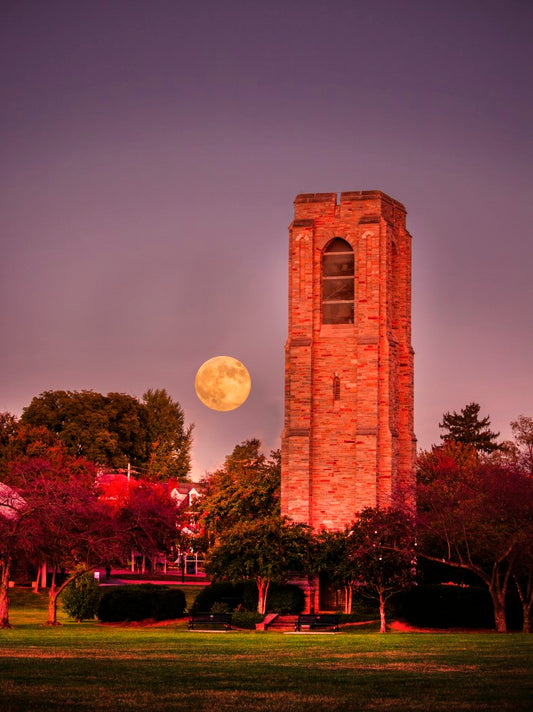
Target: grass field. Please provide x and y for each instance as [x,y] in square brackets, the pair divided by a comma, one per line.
[90,666]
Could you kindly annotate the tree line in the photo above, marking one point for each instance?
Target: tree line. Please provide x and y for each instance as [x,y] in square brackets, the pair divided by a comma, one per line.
[112,431]
[52,507]
[474,515]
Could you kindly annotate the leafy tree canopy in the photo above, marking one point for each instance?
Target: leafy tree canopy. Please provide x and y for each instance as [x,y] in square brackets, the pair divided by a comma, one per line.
[265,550]
[376,554]
[468,428]
[168,437]
[475,515]
[246,487]
[117,429]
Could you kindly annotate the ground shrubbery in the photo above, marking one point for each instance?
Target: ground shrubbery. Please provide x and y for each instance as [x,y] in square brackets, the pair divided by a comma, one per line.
[283,599]
[245,619]
[220,593]
[81,597]
[137,603]
[445,606]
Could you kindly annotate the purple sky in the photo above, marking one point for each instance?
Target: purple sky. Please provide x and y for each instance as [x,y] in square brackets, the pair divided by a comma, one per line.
[150,154]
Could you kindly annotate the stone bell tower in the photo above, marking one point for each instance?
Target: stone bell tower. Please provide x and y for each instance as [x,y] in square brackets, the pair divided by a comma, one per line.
[348,439]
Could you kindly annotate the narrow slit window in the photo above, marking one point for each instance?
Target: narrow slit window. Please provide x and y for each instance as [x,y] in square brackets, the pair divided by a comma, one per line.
[338,283]
[336,388]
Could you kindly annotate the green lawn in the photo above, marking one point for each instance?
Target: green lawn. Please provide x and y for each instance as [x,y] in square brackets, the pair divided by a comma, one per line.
[89,666]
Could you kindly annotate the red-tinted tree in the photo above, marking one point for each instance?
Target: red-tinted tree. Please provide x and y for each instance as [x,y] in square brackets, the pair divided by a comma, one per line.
[64,522]
[382,544]
[376,555]
[147,519]
[473,515]
[13,538]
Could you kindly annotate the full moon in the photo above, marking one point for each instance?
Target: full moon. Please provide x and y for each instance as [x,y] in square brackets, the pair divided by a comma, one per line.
[222,383]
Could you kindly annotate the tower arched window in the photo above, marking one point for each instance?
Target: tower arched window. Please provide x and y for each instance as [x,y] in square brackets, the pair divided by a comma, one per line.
[338,283]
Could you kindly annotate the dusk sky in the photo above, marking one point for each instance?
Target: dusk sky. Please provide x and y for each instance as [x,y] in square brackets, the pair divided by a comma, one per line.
[152,149]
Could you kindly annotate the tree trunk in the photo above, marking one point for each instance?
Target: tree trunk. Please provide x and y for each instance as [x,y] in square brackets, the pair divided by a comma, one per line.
[382,619]
[5,568]
[262,589]
[498,602]
[526,610]
[54,594]
[52,601]
[348,598]
[526,599]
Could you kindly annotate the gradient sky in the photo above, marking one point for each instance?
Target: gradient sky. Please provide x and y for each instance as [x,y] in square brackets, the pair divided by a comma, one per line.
[151,151]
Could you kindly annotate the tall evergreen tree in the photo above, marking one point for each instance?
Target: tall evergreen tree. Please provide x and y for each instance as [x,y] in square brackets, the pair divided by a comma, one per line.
[468,428]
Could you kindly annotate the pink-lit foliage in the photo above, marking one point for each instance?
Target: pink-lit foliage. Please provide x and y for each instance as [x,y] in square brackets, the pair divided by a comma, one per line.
[476,514]
[62,521]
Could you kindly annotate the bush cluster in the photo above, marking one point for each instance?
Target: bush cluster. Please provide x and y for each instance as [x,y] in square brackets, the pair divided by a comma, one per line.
[139,602]
[445,606]
[245,619]
[81,597]
[283,599]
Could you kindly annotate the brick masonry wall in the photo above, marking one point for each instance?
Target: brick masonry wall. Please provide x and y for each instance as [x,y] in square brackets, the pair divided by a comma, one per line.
[340,455]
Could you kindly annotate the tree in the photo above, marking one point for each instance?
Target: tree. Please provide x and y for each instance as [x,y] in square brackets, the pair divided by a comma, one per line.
[65,523]
[522,429]
[147,519]
[466,427]
[382,544]
[8,431]
[106,430]
[12,511]
[375,554]
[264,550]
[332,555]
[168,438]
[117,429]
[474,517]
[60,521]
[246,487]
[81,597]
[523,574]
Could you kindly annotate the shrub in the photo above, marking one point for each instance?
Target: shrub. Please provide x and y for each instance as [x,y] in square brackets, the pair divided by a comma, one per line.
[285,598]
[246,619]
[232,595]
[81,597]
[220,608]
[139,602]
[170,603]
[220,592]
[445,606]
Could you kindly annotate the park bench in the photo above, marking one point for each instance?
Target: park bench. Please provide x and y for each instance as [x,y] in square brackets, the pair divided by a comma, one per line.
[317,620]
[210,618]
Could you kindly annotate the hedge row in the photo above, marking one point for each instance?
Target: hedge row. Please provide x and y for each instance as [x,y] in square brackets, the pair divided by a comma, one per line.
[282,599]
[445,606]
[139,602]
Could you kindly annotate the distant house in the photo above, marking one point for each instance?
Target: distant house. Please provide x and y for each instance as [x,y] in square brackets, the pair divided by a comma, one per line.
[185,493]
[114,488]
